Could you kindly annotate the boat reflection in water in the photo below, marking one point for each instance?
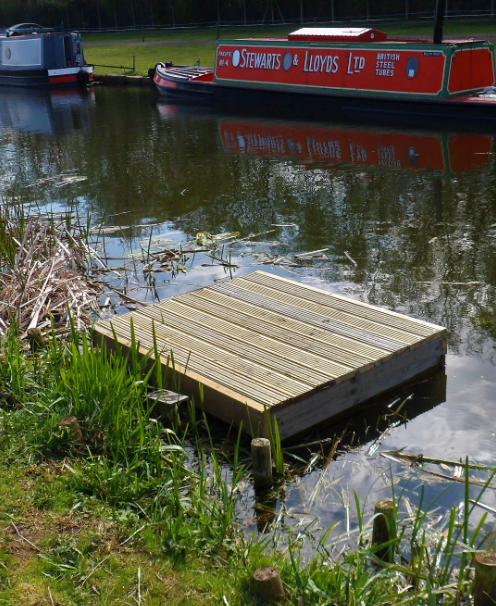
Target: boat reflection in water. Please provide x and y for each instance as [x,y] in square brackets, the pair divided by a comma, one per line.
[328,146]
[46,112]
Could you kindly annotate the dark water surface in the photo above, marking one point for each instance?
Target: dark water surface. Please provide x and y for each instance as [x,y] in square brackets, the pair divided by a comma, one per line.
[408,221]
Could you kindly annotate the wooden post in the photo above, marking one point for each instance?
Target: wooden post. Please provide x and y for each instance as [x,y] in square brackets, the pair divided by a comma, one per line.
[166,407]
[384,528]
[74,429]
[485,579]
[262,462]
[36,339]
[268,584]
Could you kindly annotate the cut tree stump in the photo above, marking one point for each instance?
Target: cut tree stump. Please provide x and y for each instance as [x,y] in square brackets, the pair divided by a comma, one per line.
[485,579]
[72,425]
[268,584]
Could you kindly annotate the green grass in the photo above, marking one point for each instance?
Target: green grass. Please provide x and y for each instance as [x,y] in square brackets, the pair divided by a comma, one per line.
[147,57]
[145,514]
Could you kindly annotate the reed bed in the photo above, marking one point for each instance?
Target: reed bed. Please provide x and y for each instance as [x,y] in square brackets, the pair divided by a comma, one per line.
[44,265]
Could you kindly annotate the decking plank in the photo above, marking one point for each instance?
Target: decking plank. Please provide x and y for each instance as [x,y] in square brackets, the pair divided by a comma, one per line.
[232,371]
[285,326]
[291,309]
[363,328]
[349,306]
[249,344]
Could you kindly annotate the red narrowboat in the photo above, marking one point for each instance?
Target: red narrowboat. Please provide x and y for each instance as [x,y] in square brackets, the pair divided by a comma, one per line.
[355,72]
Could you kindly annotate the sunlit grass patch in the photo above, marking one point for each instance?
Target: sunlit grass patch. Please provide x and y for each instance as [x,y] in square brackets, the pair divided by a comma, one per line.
[147,57]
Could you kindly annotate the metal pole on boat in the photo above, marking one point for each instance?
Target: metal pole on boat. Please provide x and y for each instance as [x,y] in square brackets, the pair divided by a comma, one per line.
[438,21]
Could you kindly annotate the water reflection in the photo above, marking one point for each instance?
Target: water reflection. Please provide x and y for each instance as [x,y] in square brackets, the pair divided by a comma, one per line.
[45,112]
[324,146]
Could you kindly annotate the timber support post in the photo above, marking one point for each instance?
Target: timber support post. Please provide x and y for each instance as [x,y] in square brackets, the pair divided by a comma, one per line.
[485,579]
[262,462]
[384,528]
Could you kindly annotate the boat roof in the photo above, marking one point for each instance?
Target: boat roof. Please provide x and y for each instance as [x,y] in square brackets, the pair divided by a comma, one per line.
[338,34]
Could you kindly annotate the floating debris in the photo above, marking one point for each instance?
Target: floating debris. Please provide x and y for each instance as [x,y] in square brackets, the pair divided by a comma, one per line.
[61,180]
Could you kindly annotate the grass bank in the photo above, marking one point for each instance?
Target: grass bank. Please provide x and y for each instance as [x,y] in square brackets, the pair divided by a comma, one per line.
[147,56]
[132,511]
[103,502]
[187,54]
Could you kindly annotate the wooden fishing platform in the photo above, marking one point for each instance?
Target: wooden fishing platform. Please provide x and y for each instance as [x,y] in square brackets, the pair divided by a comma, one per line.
[264,346]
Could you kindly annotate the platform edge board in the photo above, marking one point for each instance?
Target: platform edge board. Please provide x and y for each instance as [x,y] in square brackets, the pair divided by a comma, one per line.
[348,395]
[219,401]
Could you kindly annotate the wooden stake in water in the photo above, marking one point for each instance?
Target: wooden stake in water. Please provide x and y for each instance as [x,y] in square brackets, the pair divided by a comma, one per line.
[268,585]
[384,528]
[485,579]
[262,462]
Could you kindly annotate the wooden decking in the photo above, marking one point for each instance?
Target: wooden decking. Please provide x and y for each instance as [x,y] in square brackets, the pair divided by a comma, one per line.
[264,346]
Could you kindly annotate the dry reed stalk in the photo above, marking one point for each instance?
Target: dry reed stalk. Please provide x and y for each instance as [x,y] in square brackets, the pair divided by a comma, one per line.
[44,264]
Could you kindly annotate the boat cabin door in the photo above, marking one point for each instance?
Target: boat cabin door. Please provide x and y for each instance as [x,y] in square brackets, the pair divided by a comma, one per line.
[73,50]
[69,54]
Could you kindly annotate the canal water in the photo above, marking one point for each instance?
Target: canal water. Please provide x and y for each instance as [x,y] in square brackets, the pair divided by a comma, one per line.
[401,219]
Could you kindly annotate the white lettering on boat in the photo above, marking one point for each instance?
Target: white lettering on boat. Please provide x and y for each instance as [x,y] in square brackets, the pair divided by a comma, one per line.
[260,60]
[385,64]
[320,63]
[355,64]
